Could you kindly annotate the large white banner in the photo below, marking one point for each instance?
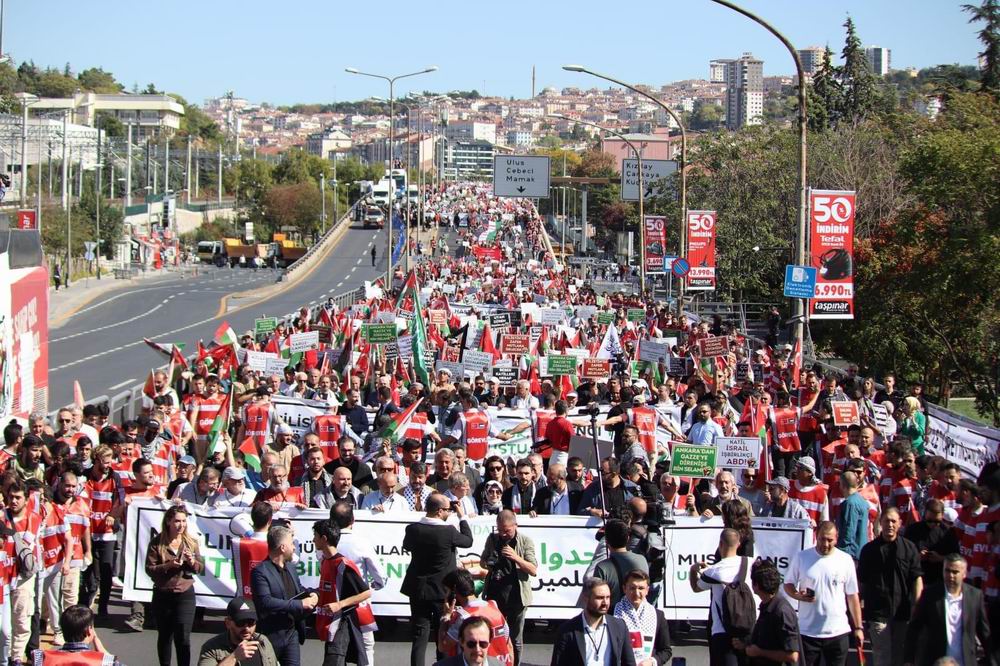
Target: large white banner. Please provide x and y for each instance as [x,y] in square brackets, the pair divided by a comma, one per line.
[968,444]
[564,547]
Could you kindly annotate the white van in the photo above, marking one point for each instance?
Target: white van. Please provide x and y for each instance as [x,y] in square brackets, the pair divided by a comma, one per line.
[382,194]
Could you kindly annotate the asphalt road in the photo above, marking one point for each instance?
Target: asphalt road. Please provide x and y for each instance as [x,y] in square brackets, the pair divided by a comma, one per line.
[101,345]
[392,643]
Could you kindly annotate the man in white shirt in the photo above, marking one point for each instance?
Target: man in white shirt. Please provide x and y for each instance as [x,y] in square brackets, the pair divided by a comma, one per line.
[523,398]
[385,499]
[360,551]
[823,579]
[234,490]
[714,579]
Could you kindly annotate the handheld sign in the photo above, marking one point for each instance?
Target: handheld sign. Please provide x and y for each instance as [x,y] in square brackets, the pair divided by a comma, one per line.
[515,343]
[845,414]
[694,461]
[716,345]
[735,452]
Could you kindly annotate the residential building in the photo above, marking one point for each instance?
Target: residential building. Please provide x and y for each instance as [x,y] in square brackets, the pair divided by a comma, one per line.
[880,59]
[744,91]
[468,159]
[929,107]
[327,143]
[520,139]
[717,71]
[471,131]
[812,59]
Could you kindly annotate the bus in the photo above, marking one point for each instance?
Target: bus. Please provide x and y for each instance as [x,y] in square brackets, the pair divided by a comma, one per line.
[398,177]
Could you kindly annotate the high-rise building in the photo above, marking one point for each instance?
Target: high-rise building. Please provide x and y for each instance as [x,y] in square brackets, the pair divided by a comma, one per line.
[717,71]
[744,91]
[812,58]
[879,59]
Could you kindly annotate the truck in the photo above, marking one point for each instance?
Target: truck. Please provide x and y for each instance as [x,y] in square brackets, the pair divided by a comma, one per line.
[384,192]
[235,251]
[286,251]
[398,178]
[413,195]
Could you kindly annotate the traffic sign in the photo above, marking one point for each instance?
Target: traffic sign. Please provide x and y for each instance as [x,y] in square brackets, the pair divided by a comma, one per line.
[668,263]
[681,267]
[521,176]
[800,281]
[653,171]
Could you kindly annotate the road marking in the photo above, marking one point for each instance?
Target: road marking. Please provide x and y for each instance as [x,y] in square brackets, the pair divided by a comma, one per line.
[118,386]
[117,323]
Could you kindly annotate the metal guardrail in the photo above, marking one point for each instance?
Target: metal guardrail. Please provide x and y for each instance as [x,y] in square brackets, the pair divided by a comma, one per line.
[322,239]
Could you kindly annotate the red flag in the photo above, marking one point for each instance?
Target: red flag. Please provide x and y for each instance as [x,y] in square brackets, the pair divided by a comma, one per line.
[148,389]
[796,362]
[202,352]
[177,358]
[487,345]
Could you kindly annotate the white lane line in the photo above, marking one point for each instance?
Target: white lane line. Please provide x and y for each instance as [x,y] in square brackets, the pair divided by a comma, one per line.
[124,383]
[117,323]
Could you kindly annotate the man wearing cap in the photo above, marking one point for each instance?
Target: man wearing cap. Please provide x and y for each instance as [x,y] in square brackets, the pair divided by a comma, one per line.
[779,505]
[809,492]
[239,643]
[234,490]
[186,466]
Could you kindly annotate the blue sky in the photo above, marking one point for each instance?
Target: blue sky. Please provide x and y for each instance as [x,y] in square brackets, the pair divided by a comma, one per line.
[296,51]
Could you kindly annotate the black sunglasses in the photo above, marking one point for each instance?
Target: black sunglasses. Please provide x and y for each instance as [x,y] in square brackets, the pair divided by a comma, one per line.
[474,644]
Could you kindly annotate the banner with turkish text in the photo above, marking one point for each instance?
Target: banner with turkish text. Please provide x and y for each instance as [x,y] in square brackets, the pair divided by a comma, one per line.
[656,243]
[701,249]
[831,251]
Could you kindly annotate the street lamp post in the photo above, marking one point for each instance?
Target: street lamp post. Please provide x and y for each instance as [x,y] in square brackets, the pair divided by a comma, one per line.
[26,100]
[684,141]
[800,310]
[642,221]
[392,81]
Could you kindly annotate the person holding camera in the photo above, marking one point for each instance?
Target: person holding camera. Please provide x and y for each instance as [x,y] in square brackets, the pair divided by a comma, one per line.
[432,543]
[172,561]
[239,643]
[509,561]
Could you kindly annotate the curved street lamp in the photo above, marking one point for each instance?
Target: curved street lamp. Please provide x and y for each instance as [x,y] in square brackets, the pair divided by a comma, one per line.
[642,221]
[684,143]
[392,81]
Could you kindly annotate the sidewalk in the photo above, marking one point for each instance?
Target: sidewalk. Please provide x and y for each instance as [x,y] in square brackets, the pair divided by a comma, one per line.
[66,301]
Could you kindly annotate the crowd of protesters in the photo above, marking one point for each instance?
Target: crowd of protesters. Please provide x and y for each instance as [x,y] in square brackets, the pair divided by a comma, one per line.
[906,550]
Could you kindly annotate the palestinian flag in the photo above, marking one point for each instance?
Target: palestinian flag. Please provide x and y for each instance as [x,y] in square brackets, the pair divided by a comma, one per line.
[399,422]
[225,335]
[78,394]
[419,332]
[165,349]
[148,389]
[250,454]
[220,424]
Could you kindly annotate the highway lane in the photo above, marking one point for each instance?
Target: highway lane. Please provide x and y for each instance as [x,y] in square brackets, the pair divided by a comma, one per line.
[101,345]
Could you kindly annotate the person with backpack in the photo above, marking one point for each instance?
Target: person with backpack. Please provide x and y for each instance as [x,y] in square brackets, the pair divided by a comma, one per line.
[733,609]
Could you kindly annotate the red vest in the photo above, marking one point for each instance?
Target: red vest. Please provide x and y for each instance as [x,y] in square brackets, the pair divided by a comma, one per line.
[76,514]
[415,428]
[208,409]
[812,499]
[123,468]
[53,533]
[542,419]
[331,578]
[477,434]
[786,422]
[329,428]
[257,422]
[645,419]
[247,554]
[62,658]
[500,645]
[104,495]
[281,501]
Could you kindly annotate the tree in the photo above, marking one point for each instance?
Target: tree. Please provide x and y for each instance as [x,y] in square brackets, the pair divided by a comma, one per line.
[250,180]
[196,123]
[859,95]
[825,95]
[297,205]
[151,90]
[110,125]
[298,166]
[988,14]
[55,84]
[97,80]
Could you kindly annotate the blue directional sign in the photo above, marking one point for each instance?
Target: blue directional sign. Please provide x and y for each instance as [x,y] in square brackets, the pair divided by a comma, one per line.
[800,281]
[681,267]
[668,263]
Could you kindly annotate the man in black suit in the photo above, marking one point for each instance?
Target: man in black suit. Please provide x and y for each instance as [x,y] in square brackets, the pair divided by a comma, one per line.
[432,544]
[953,603]
[274,584]
[556,498]
[593,636]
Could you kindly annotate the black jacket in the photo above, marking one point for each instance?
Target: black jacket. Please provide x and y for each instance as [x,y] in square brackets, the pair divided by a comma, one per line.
[543,501]
[432,555]
[570,648]
[927,635]
[275,611]
[884,600]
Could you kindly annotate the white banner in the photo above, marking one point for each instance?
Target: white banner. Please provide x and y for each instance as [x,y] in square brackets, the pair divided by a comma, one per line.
[300,342]
[968,444]
[564,548]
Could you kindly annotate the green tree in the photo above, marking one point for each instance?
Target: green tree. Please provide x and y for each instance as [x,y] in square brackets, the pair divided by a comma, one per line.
[97,80]
[294,205]
[705,116]
[298,166]
[196,123]
[859,94]
[110,126]
[52,83]
[988,14]
[250,180]
[825,95]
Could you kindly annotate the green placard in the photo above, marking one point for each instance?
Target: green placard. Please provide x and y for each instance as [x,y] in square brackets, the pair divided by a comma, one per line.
[380,333]
[562,364]
[635,314]
[696,461]
[264,325]
[605,317]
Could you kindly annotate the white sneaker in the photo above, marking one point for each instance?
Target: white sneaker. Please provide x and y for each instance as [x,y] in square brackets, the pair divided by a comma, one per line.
[117,582]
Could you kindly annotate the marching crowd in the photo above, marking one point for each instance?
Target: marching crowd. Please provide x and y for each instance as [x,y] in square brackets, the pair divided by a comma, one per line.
[905,555]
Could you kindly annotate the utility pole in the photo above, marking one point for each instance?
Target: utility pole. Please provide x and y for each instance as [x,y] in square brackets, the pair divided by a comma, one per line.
[65,163]
[128,167]
[322,197]
[166,166]
[97,202]
[187,172]
[219,195]
[197,175]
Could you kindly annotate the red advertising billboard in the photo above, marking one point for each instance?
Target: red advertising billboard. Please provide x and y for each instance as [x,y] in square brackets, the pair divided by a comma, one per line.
[656,243]
[26,220]
[29,340]
[701,249]
[831,251]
